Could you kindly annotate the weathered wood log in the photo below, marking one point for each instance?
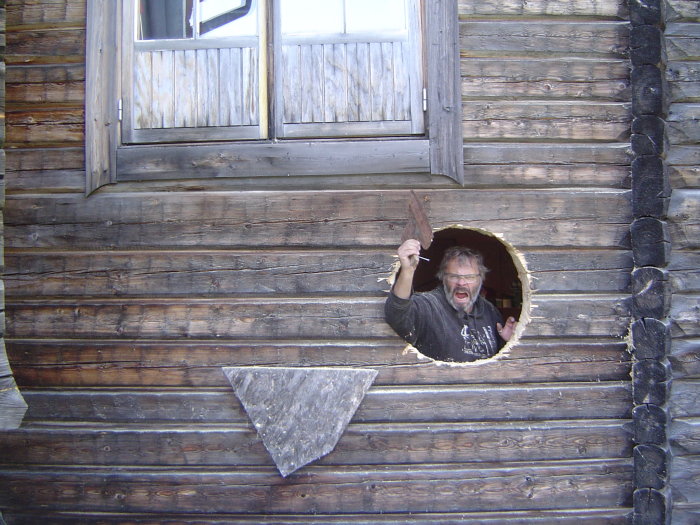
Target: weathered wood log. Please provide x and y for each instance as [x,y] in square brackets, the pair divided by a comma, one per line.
[647,91]
[643,12]
[484,37]
[516,486]
[598,8]
[651,243]
[274,318]
[64,127]
[172,364]
[685,312]
[42,46]
[207,273]
[612,516]
[383,404]
[683,219]
[573,79]
[53,84]
[650,382]
[682,41]
[684,433]
[652,294]
[645,45]
[489,120]
[651,339]
[648,135]
[309,219]
[650,188]
[238,445]
[48,13]
[685,398]
[650,425]
[682,124]
[651,466]
[651,507]
[680,9]
[685,358]
[685,484]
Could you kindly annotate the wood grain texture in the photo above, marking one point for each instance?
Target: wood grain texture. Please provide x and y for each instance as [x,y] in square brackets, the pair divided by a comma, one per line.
[124,306]
[114,363]
[472,487]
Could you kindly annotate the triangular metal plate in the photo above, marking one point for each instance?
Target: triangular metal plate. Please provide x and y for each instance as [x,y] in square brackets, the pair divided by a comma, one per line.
[300,412]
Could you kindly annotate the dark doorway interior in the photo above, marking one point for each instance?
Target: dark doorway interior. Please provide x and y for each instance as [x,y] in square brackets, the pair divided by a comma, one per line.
[502,287]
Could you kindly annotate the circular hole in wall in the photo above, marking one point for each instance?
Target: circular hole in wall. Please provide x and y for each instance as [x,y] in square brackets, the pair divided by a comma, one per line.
[506,285]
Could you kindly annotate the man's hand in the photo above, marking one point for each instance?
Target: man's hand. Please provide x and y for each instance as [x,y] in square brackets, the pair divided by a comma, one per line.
[408,255]
[507,331]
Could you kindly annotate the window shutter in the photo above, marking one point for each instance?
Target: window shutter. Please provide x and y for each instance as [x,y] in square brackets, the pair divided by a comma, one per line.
[345,84]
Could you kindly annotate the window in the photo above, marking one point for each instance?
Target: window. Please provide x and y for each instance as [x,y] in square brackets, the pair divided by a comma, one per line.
[248,88]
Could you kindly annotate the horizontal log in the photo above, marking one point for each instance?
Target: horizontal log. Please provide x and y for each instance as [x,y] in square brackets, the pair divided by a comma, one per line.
[684,272]
[587,39]
[45,159]
[685,358]
[277,318]
[382,444]
[174,364]
[560,155]
[685,483]
[682,124]
[113,220]
[46,12]
[681,9]
[52,181]
[211,273]
[531,402]
[686,513]
[546,120]
[54,45]
[60,92]
[685,312]
[616,516]
[681,45]
[684,435]
[683,213]
[597,8]
[476,487]
[54,126]
[545,78]
[538,175]
[685,398]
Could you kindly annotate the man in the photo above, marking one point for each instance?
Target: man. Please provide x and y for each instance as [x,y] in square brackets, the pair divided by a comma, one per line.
[452,322]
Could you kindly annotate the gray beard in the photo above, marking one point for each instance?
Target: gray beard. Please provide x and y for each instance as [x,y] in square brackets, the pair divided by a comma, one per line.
[468,307]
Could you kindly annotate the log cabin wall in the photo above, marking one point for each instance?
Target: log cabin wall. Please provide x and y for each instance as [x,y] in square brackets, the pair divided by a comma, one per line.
[122,307]
[682,49]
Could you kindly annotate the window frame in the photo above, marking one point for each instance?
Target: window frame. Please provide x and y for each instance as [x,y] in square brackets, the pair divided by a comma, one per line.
[108,161]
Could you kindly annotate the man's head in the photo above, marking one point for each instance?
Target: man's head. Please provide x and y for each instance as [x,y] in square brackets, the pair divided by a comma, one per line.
[462,272]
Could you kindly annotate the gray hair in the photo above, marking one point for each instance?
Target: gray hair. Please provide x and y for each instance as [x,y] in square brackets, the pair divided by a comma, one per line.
[463,255]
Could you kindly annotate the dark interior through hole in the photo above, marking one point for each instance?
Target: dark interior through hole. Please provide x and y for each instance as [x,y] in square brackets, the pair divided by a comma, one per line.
[502,286]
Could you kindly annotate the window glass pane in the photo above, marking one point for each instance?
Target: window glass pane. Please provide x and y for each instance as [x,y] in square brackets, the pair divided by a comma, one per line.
[163,19]
[311,16]
[222,18]
[375,15]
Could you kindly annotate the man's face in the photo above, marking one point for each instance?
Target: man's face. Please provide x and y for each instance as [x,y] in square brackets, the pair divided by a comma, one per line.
[462,284]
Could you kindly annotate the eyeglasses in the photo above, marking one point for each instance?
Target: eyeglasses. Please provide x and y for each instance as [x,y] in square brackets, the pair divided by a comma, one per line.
[469,278]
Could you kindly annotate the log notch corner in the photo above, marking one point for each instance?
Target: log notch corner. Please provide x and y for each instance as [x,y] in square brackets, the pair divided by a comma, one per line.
[650,333]
[12,405]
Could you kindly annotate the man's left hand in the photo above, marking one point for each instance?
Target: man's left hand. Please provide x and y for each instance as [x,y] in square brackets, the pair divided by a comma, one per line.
[507,331]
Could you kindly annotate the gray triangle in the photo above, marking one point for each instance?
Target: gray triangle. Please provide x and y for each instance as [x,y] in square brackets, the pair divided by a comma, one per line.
[299,413]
